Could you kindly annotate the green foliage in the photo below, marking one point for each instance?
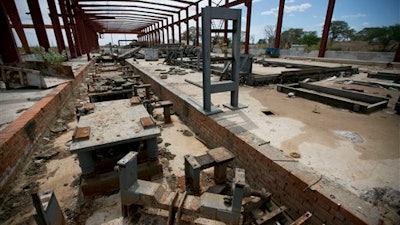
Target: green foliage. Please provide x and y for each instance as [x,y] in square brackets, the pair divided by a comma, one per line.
[340,31]
[309,38]
[384,36]
[52,57]
[291,36]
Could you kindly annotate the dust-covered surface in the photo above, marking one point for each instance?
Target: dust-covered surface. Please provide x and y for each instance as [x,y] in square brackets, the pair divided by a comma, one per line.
[360,152]
[355,151]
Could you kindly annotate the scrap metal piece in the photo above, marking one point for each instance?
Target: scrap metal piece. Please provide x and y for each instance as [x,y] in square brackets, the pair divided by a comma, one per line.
[302,219]
[147,122]
[48,210]
[81,133]
[266,217]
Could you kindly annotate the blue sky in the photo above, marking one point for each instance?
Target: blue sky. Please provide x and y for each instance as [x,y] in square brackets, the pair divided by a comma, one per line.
[306,14]
[310,14]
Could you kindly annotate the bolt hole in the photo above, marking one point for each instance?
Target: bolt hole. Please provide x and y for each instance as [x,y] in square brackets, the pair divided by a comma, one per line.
[268,113]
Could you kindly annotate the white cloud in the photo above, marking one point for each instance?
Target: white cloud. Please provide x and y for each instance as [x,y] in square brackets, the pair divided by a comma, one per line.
[352,16]
[254,1]
[290,1]
[288,9]
[272,11]
[365,24]
[297,8]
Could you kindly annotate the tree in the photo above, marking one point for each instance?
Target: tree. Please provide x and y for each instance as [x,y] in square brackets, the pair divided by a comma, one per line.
[384,36]
[261,41]
[340,31]
[309,38]
[192,34]
[291,36]
[269,32]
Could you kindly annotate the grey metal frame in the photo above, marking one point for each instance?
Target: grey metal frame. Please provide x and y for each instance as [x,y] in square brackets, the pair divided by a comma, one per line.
[209,13]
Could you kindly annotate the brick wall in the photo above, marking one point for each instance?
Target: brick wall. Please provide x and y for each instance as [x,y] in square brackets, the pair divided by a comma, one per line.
[20,137]
[287,189]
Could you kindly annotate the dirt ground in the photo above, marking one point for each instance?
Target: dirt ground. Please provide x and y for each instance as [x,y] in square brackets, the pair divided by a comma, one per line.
[52,167]
[358,151]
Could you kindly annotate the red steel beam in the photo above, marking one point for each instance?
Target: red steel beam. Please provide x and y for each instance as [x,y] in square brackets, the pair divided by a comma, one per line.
[12,12]
[179,28]
[126,6]
[81,30]
[226,27]
[67,28]
[327,25]
[187,27]
[248,22]
[279,24]
[37,19]
[56,25]
[94,11]
[397,55]
[72,23]
[173,30]
[140,1]
[197,25]
[8,48]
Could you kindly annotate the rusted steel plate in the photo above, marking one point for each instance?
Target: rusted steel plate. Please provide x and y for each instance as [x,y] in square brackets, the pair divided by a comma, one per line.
[147,122]
[82,133]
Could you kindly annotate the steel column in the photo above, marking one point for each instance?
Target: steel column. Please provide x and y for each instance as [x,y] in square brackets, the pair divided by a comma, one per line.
[187,27]
[56,25]
[8,48]
[173,30]
[167,31]
[37,19]
[67,28]
[162,30]
[82,31]
[12,12]
[279,24]
[327,25]
[74,28]
[179,28]
[197,25]
[226,27]
[248,22]
[397,55]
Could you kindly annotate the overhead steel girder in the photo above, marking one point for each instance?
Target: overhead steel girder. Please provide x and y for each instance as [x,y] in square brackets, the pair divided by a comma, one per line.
[124,10]
[125,15]
[39,24]
[141,23]
[128,6]
[139,1]
[12,13]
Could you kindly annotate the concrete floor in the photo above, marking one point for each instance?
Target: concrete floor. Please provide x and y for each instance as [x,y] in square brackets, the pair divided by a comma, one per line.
[358,152]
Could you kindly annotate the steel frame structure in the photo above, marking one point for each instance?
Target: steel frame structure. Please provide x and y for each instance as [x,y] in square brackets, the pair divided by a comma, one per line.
[153,21]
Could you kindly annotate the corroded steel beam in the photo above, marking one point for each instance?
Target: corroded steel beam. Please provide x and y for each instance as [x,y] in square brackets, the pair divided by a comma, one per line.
[327,25]
[8,48]
[278,29]
[38,23]
[56,25]
[12,12]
